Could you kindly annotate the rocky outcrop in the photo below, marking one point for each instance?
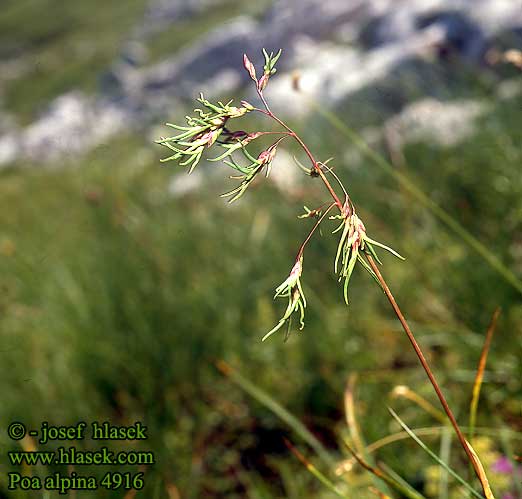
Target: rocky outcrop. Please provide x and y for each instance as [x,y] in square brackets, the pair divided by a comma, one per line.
[73,124]
[360,49]
[384,33]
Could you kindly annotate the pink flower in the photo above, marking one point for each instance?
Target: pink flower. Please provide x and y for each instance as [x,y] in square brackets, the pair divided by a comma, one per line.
[503,465]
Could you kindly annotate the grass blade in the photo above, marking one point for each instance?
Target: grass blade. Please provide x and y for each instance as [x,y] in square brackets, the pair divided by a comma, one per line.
[353,425]
[408,393]
[378,493]
[482,474]
[263,398]
[444,454]
[351,420]
[399,479]
[480,373]
[430,431]
[434,456]
[314,471]
[392,482]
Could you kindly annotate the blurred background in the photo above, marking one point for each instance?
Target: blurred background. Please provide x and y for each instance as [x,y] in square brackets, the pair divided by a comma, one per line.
[124,281]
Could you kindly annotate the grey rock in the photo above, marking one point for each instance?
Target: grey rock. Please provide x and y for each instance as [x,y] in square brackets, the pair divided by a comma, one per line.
[338,72]
[463,27]
[9,148]
[219,52]
[443,123]
[73,124]
[392,42]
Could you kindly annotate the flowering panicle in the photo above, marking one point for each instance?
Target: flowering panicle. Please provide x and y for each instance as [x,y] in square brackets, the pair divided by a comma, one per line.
[235,141]
[291,289]
[209,126]
[250,172]
[201,132]
[352,242]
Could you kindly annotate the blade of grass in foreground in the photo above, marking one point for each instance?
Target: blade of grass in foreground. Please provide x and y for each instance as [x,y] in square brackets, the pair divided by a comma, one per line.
[482,474]
[445,454]
[408,393]
[407,491]
[420,196]
[263,398]
[351,419]
[480,373]
[399,479]
[378,493]
[353,425]
[431,431]
[434,456]
[314,471]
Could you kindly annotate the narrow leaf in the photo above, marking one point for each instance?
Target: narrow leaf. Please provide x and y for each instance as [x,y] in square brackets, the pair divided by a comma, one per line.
[434,456]
[312,469]
[270,403]
[480,372]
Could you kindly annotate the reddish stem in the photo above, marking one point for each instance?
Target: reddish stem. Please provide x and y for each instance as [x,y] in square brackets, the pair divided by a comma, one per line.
[307,151]
[388,294]
[311,233]
[272,133]
[424,363]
